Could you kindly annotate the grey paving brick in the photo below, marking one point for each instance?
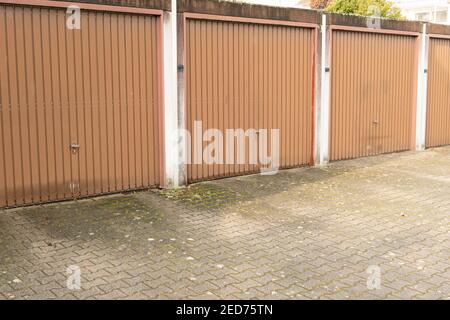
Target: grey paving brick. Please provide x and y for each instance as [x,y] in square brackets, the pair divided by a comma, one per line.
[309,233]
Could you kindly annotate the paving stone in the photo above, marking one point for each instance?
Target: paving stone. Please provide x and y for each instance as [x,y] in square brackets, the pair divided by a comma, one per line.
[309,233]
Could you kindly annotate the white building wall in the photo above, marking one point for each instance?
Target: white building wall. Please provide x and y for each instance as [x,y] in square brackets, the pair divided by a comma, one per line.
[276,3]
[413,9]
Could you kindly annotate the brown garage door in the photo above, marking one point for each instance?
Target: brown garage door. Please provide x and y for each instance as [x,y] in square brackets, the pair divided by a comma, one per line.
[79,111]
[373,81]
[250,76]
[438,113]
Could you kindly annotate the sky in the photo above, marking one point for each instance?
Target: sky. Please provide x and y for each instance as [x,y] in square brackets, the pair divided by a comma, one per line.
[278,3]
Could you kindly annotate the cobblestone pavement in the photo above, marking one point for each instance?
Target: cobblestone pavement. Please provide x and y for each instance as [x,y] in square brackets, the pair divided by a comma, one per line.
[302,234]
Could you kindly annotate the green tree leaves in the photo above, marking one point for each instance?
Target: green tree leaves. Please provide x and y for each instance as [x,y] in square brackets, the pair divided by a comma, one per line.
[381,8]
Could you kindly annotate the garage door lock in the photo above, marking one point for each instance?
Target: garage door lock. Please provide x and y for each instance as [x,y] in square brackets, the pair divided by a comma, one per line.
[74,148]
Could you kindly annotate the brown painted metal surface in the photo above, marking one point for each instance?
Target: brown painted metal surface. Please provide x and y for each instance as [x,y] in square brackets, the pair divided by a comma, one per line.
[248,10]
[250,75]
[79,109]
[438,111]
[373,93]
[147,4]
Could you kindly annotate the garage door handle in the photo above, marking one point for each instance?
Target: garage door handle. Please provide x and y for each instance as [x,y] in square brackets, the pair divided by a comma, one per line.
[74,147]
[376,122]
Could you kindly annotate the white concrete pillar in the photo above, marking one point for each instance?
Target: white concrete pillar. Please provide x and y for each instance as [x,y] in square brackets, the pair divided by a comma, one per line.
[171,99]
[422,85]
[323,111]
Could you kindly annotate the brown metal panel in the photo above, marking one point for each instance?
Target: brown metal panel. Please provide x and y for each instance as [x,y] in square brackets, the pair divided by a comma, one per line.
[150,92]
[257,57]
[296,114]
[95,102]
[108,129]
[102,106]
[140,62]
[130,103]
[7,187]
[156,97]
[2,165]
[23,106]
[204,102]
[123,105]
[49,107]
[86,145]
[42,69]
[3,197]
[208,103]
[220,85]
[116,103]
[226,58]
[278,106]
[137,102]
[134,104]
[98,87]
[438,111]
[196,91]
[30,109]
[241,83]
[215,84]
[283,75]
[14,104]
[290,91]
[80,116]
[73,103]
[243,75]
[63,105]
[372,93]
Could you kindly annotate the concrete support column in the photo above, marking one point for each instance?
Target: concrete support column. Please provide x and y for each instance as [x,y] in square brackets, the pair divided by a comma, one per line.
[183,148]
[172,147]
[323,95]
[422,86]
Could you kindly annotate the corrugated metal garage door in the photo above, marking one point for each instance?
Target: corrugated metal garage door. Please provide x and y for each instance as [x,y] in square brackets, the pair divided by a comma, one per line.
[438,114]
[96,88]
[250,75]
[373,93]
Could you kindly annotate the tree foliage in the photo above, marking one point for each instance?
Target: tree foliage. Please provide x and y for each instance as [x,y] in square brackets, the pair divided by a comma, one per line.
[381,8]
[319,4]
